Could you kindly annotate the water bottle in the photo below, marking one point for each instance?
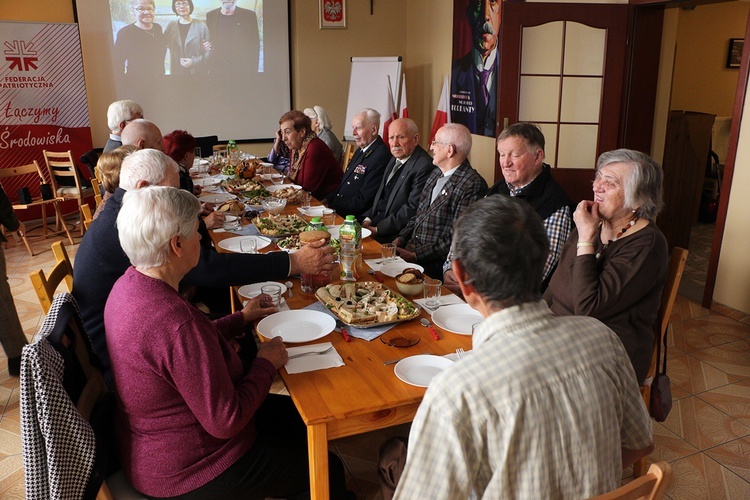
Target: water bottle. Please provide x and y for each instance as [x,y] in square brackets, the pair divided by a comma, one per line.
[350,234]
[234,153]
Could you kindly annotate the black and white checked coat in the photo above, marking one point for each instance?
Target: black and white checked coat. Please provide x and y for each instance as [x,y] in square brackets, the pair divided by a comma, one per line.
[59,446]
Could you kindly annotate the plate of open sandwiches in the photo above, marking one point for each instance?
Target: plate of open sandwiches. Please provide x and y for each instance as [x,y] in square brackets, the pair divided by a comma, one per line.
[366,304]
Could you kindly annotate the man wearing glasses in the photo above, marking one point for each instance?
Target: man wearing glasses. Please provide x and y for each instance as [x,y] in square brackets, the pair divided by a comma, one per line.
[448,191]
[140,47]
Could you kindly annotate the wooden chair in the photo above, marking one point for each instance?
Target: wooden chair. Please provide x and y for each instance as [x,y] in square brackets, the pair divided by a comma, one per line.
[668,296]
[88,217]
[66,182]
[45,286]
[346,157]
[96,186]
[30,176]
[650,487]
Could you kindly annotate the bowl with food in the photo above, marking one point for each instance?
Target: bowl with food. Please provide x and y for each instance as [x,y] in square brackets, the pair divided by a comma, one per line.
[273,206]
[410,281]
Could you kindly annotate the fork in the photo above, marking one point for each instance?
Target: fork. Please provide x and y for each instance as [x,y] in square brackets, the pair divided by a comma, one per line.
[325,351]
[460,352]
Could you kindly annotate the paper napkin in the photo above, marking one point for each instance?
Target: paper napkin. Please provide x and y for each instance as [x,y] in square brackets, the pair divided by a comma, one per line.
[313,362]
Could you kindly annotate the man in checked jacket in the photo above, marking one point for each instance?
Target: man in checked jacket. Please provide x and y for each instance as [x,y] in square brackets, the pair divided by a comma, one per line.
[449,190]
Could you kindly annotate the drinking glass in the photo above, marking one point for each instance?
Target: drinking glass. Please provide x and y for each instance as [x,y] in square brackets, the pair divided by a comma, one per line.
[249,245]
[387,252]
[329,217]
[305,199]
[432,292]
[274,291]
[198,153]
[231,223]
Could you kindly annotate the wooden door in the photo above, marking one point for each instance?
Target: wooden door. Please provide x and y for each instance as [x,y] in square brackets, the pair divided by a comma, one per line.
[562,67]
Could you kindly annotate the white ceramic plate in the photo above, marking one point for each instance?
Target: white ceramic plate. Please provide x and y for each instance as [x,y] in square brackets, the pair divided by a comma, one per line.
[234,244]
[334,230]
[419,370]
[395,268]
[295,326]
[253,290]
[276,187]
[206,181]
[312,211]
[216,197]
[457,318]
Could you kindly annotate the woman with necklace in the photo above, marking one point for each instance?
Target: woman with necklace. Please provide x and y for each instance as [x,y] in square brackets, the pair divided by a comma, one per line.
[187,39]
[140,47]
[312,164]
[614,265]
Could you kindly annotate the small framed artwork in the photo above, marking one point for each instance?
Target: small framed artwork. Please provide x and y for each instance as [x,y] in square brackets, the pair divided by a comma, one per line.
[734,55]
[332,14]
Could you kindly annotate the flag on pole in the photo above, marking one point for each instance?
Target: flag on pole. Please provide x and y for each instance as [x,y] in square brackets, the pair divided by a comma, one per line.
[443,113]
[403,112]
[390,112]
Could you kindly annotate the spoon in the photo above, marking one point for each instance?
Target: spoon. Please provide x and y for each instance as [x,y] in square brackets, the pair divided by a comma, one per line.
[289,286]
[426,322]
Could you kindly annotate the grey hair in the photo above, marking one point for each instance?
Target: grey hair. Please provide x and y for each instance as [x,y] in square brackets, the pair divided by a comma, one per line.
[502,245]
[150,218]
[530,132]
[411,125]
[459,136]
[643,187]
[122,111]
[372,117]
[323,118]
[147,165]
[310,113]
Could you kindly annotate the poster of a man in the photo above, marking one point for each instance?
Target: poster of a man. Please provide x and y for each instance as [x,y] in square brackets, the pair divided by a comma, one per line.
[474,77]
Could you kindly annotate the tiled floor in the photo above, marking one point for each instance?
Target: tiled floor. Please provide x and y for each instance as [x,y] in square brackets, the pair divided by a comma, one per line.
[706,437]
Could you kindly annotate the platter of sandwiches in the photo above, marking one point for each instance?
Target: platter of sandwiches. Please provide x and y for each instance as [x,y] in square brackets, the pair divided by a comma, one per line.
[366,304]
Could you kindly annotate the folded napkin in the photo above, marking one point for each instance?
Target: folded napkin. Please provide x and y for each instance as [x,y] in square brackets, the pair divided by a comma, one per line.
[377,264]
[313,361]
[248,230]
[367,334]
[445,300]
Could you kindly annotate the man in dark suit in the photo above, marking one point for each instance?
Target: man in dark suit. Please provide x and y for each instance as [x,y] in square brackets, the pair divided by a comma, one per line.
[365,170]
[119,114]
[235,41]
[474,76]
[397,198]
[449,190]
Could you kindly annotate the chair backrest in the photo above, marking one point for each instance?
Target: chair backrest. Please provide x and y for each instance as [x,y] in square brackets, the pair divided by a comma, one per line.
[45,286]
[206,143]
[668,296]
[88,217]
[650,486]
[24,176]
[97,191]
[62,169]
[346,157]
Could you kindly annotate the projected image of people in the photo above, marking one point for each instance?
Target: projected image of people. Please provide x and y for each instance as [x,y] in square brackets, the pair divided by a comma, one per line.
[140,47]
[188,41]
[234,38]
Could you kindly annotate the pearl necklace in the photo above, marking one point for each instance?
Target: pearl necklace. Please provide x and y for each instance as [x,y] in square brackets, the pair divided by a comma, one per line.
[617,236]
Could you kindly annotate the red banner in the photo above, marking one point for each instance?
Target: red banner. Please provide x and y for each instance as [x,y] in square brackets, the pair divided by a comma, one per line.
[42,100]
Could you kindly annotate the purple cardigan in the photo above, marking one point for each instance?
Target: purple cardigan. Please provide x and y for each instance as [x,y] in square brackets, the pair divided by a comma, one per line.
[185,409]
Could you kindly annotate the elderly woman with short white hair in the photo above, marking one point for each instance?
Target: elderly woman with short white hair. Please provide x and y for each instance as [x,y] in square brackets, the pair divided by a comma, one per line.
[614,265]
[191,421]
[321,125]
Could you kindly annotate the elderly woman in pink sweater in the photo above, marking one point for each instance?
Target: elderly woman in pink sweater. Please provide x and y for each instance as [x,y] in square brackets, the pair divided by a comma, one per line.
[192,422]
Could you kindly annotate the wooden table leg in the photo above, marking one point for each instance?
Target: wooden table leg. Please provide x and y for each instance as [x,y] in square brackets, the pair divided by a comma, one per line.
[317,450]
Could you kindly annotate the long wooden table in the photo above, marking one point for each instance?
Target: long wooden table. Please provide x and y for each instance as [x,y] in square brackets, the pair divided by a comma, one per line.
[364,395]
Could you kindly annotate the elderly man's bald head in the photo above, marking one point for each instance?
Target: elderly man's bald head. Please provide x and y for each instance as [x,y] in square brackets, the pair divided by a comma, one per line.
[142,134]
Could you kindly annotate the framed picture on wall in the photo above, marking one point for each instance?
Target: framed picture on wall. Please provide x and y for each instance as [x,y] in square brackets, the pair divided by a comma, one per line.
[734,54]
[332,14]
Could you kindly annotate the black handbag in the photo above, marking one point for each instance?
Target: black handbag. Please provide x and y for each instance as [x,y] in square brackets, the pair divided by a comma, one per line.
[661,390]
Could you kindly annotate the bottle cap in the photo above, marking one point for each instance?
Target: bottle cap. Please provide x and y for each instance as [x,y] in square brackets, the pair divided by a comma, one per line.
[315,219]
[350,217]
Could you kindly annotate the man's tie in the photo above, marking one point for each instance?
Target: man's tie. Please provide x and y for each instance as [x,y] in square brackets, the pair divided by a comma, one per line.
[395,168]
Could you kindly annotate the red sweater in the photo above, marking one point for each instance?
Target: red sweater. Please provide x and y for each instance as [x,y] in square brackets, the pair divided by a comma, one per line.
[319,171]
[185,410]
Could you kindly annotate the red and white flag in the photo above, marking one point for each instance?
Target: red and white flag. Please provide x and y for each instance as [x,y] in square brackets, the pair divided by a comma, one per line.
[390,111]
[403,112]
[443,113]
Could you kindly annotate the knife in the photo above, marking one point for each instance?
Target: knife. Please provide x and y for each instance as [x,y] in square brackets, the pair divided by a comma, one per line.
[340,328]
